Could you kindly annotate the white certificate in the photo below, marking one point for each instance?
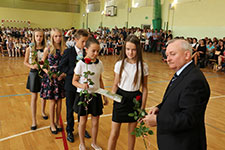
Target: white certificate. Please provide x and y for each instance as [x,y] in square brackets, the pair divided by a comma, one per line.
[110,95]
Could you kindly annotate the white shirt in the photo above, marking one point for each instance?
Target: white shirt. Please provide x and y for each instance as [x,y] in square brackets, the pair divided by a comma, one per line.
[182,68]
[194,44]
[101,45]
[69,43]
[128,74]
[81,67]
[79,51]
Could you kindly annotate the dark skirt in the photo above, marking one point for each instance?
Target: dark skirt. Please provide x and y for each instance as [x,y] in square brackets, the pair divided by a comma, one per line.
[121,110]
[95,106]
[34,81]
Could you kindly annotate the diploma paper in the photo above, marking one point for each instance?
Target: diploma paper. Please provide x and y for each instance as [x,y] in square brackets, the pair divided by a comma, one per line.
[110,95]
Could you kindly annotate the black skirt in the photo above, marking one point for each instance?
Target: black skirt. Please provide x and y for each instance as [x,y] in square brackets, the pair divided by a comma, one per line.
[121,110]
[34,81]
[95,106]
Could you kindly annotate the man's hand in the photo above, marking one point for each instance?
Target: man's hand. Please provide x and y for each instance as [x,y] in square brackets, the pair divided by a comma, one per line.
[153,110]
[150,120]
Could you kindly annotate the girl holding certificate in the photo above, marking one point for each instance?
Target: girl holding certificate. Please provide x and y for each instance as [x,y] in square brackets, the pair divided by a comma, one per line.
[130,74]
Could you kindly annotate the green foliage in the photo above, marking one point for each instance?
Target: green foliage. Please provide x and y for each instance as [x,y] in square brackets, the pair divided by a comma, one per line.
[93,94]
[131,114]
[141,130]
[87,96]
[45,65]
[80,103]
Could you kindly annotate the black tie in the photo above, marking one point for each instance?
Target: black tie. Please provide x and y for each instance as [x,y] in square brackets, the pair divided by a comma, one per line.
[173,79]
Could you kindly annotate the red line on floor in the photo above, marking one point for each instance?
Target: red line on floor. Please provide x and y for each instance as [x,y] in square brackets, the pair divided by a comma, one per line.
[63,134]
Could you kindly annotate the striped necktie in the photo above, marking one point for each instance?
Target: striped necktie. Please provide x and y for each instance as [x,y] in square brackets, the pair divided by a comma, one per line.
[173,79]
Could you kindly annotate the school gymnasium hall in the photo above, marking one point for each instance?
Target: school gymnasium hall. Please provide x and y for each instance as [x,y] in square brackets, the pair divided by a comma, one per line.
[200,22]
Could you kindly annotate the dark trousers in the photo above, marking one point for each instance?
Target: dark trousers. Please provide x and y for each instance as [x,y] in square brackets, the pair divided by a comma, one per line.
[70,99]
[154,46]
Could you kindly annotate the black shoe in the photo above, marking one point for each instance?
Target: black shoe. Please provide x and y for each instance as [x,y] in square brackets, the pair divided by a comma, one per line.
[59,129]
[45,117]
[70,137]
[53,132]
[87,135]
[33,127]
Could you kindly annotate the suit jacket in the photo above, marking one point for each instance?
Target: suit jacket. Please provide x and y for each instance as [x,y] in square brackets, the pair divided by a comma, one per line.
[180,122]
[67,66]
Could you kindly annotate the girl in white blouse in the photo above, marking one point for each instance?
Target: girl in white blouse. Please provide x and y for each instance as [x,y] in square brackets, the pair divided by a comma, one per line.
[95,106]
[130,74]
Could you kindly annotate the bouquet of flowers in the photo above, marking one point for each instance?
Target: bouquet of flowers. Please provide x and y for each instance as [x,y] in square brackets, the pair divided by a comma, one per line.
[87,96]
[141,130]
[42,64]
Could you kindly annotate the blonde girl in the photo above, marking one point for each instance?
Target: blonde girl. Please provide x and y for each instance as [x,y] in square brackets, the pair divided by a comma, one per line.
[34,80]
[52,87]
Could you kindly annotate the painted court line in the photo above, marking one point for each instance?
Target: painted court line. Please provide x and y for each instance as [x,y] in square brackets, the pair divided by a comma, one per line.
[215,128]
[23,133]
[102,116]
[15,95]
[63,134]
[43,128]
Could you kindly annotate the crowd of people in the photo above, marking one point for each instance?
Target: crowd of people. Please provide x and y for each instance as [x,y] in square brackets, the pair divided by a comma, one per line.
[74,71]
[14,42]
[205,51]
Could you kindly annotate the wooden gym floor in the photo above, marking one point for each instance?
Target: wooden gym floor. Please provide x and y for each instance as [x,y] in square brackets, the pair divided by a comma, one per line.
[15,115]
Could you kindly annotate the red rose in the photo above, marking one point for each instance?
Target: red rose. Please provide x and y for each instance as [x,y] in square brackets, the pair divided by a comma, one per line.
[41,62]
[138,98]
[87,60]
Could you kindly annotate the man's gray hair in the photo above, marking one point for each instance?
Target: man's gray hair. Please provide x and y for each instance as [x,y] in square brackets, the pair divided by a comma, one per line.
[184,44]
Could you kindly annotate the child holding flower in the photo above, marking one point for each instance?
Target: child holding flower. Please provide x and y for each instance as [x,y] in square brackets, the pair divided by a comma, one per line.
[52,87]
[91,104]
[34,80]
[130,74]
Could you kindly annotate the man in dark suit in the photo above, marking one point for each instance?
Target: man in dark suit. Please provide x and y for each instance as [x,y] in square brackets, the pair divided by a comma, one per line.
[67,65]
[180,116]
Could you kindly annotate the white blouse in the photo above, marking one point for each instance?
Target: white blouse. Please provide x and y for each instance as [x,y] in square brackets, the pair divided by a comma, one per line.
[97,68]
[128,74]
